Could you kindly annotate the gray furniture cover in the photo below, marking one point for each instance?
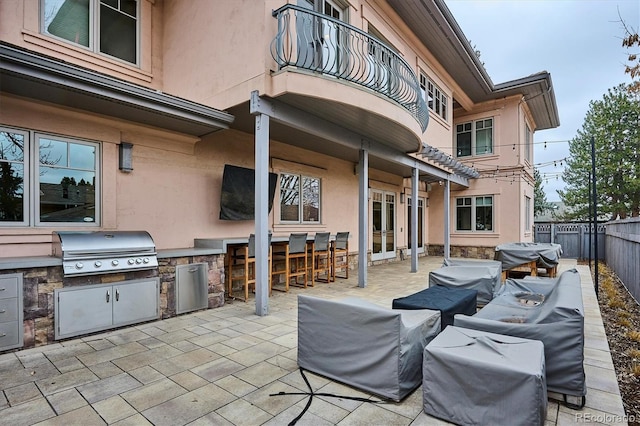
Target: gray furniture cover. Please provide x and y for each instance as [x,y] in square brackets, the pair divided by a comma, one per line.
[557,321]
[477,378]
[511,255]
[448,300]
[364,345]
[493,264]
[484,277]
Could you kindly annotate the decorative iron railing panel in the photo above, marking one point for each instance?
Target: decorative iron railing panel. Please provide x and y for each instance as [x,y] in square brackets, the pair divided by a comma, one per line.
[322,44]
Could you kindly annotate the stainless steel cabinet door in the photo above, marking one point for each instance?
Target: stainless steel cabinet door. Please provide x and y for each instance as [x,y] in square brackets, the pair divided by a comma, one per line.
[135,301]
[82,310]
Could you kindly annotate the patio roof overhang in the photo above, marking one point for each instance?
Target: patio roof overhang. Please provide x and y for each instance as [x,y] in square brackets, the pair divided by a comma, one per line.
[297,127]
[38,77]
[433,23]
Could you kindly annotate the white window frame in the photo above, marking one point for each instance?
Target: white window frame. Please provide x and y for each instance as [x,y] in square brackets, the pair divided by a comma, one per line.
[94,29]
[474,130]
[473,205]
[527,213]
[434,97]
[26,193]
[31,183]
[300,190]
[528,137]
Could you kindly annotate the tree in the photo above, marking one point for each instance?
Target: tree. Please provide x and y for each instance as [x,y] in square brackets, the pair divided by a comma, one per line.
[630,40]
[540,203]
[614,123]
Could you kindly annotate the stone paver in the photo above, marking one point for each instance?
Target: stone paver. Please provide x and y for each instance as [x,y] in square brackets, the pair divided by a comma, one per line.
[221,367]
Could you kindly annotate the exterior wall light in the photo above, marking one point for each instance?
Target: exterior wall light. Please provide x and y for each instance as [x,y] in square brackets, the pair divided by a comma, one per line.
[125,160]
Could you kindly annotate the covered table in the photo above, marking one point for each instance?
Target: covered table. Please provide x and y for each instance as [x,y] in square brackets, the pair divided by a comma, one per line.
[482,276]
[530,255]
[449,301]
[475,377]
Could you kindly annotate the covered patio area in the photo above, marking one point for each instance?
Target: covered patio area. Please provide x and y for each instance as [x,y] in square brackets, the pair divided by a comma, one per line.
[219,366]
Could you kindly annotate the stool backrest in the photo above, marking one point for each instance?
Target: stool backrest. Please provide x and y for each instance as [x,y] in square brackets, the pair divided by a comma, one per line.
[252,244]
[321,241]
[298,243]
[342,240]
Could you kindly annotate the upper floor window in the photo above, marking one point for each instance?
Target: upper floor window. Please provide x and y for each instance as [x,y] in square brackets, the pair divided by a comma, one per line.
[528,136]
[527,214]
[474,138]
[299,198]
[103,26]
[474,210]
[434,97]
[47,179]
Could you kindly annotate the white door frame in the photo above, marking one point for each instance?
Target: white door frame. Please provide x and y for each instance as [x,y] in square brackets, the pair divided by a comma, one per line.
[383,240]
[421,222]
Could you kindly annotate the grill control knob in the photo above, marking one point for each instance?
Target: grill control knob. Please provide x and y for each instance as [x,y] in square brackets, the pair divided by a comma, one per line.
[115,262]
[98,264]
[145,260]
[131,261]
[138,261]
[79,265]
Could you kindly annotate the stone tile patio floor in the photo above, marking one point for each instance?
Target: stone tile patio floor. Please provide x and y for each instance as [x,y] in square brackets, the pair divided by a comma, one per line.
[219,366]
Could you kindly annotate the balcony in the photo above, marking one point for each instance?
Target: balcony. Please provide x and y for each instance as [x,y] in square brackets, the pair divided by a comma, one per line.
[318,43]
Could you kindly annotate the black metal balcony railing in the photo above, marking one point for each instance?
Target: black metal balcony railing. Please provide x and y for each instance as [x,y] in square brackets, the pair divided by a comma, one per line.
[320,43]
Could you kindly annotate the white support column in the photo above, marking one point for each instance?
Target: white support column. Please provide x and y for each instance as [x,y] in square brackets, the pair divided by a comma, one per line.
[363,216]
[414,220]
[447,219]
[262,214]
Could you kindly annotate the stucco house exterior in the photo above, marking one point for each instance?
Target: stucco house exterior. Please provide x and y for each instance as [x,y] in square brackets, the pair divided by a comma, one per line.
[363,109]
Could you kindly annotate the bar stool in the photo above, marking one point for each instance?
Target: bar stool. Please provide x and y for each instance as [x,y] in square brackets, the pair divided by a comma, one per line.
[340,255]
[243,258]
[294,257]
[320,258]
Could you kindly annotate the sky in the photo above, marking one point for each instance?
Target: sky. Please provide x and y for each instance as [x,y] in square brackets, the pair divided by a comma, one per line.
[579,42]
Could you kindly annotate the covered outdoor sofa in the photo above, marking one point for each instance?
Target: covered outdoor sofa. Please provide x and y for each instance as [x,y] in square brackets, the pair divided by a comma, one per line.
[546,309]
[364,345]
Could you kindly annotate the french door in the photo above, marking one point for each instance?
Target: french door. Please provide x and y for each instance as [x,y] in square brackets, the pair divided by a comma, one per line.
[383,220]
[421,203]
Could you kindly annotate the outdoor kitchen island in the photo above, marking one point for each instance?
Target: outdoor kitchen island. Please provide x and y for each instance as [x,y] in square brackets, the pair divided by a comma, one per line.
[41,277]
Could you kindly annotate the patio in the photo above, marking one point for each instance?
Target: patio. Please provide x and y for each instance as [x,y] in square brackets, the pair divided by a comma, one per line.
[219,366]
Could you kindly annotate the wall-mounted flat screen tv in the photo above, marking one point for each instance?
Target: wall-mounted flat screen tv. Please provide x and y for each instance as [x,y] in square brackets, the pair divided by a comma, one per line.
[237,198]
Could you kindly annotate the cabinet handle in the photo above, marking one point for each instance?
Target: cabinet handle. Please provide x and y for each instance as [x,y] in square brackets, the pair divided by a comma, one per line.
[108,295]
[3,311]
[3,334]
[2,289]
[117,295]
[192,270]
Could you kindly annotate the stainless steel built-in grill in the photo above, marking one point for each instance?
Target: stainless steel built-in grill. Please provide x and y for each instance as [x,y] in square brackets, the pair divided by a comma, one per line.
[91,253]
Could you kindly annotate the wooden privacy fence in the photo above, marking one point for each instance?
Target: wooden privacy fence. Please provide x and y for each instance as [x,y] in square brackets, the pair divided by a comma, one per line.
[623,252]
[573,237]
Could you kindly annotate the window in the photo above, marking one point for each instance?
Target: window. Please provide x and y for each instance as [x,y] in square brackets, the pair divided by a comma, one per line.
[474,138]
[527,143]
[299,198]
[478,210]
[103,26]
[434,97]
[57,184]
[527,214]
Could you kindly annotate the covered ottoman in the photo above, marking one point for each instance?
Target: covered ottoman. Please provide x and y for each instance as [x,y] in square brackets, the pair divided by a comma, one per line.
[364,345]
[472,377]
[449,301]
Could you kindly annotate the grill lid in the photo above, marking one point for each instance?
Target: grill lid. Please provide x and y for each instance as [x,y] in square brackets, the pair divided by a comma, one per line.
[89,253]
